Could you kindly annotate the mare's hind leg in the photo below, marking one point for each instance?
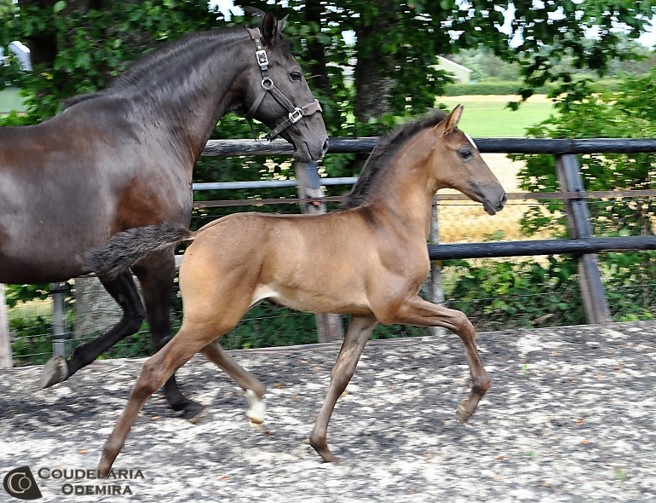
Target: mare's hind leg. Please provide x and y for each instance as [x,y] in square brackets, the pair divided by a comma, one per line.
[420,312]
[355,340]
[156,278]
[248,382]
[155,371]
[124,291]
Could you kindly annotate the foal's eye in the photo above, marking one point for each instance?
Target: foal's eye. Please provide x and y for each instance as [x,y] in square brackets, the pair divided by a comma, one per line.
[466,153]
[295,76]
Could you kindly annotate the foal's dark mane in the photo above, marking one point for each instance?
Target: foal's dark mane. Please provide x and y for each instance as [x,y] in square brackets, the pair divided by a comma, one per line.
[380,157]
[163,63]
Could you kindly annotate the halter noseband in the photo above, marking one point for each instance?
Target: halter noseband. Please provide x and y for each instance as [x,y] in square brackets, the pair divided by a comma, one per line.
[295,114]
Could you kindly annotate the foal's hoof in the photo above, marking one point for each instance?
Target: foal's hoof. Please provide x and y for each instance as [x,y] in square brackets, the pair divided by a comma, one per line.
[256,410]
[462,414]
[54,371]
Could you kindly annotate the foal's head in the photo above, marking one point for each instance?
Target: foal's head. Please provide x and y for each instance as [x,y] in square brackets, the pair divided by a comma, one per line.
[276,86]
[457,164]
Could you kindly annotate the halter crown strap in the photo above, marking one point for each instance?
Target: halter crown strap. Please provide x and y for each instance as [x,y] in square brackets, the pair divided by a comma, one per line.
[295,114]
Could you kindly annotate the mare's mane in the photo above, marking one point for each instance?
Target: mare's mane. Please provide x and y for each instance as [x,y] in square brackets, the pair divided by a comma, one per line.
[386,148]
[164,63]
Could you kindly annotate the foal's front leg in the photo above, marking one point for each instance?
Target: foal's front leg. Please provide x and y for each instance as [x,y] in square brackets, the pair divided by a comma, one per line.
[355,340]
[417,311]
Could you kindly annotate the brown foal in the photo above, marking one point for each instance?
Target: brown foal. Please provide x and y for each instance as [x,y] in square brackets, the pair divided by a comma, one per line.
[368,260]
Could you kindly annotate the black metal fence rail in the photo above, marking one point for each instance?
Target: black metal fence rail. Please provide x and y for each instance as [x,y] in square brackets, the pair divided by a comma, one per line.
[227,148]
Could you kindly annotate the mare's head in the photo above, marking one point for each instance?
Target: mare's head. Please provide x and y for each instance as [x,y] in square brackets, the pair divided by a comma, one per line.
[457,164]
[277,93]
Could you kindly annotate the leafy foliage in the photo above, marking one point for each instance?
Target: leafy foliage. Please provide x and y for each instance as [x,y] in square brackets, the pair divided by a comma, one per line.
[627,113]
[496,294]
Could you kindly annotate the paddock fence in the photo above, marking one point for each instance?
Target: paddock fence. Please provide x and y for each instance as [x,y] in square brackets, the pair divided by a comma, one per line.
[68,315]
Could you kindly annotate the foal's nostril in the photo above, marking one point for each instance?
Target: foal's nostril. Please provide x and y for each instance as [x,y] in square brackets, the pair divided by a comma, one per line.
[324,148]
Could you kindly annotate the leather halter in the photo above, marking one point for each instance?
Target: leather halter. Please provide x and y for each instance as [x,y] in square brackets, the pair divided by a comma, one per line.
[294,114]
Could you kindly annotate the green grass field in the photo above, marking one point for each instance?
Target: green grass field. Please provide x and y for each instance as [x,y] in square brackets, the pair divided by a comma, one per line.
[10,100]
[488,117]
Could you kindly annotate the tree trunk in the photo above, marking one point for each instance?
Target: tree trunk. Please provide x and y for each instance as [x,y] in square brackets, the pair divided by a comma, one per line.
[375,68]
[315,49]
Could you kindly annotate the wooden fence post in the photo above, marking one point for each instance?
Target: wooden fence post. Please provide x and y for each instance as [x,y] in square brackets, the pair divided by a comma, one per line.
[436,286]
[5,337]
[59,335]
[308,182]
[578,223]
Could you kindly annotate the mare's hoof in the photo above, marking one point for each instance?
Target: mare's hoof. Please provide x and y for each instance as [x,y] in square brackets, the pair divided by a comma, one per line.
[194,413]
[462,414]
[54,371]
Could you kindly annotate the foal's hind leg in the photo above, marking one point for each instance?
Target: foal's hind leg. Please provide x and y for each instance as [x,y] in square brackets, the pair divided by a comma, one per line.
[248,382]
[420,312]
[355,340]
[155,371]
[125,293]
[157,284]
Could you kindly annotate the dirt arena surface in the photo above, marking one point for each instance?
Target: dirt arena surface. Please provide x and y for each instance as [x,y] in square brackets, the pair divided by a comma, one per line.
[569,417]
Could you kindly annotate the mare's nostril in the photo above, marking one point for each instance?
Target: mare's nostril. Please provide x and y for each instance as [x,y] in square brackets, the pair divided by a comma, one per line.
[324,149]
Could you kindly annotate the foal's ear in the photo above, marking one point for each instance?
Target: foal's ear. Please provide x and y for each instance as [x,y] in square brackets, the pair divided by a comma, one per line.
[269,28]
[451,122]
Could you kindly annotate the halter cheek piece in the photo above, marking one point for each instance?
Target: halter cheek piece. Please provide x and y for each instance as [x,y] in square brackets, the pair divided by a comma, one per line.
[295,114]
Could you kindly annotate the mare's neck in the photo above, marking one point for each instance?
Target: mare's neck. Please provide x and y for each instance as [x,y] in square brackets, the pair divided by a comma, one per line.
[190,105]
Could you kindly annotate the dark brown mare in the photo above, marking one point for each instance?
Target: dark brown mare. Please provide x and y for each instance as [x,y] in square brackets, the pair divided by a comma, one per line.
[123,158]
[367,260]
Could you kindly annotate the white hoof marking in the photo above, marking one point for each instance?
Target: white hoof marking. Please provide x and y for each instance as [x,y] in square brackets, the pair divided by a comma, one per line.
[256,409]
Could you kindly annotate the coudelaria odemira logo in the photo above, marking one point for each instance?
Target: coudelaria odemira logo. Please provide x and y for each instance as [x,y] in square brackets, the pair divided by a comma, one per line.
[20,483]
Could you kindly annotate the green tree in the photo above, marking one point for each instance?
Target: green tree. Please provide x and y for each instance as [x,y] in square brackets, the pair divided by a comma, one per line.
[6,6]
[82,43]
[629,112]
[396,43]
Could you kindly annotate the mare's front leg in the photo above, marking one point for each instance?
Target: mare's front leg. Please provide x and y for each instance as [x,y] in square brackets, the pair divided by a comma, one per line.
[355,340]
[417,311]
[156,275]
[124,292]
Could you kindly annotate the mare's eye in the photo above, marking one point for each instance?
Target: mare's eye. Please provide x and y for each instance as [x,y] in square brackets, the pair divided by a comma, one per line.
[295,76]
[466,153]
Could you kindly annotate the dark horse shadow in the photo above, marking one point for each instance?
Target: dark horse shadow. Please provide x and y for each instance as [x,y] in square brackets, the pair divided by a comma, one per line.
[123,157]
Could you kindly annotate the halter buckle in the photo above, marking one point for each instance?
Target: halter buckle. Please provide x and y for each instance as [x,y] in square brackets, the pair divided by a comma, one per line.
[262,59]
[296,115]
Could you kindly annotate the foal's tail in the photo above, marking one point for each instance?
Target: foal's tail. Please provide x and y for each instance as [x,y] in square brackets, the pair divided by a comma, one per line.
[126,248]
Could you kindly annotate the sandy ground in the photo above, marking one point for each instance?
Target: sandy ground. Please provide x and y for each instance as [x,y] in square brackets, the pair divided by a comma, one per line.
[569,418]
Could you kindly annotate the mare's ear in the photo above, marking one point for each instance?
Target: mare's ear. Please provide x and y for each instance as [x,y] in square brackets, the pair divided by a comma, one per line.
[281,24]
[451,122]
[269,28]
